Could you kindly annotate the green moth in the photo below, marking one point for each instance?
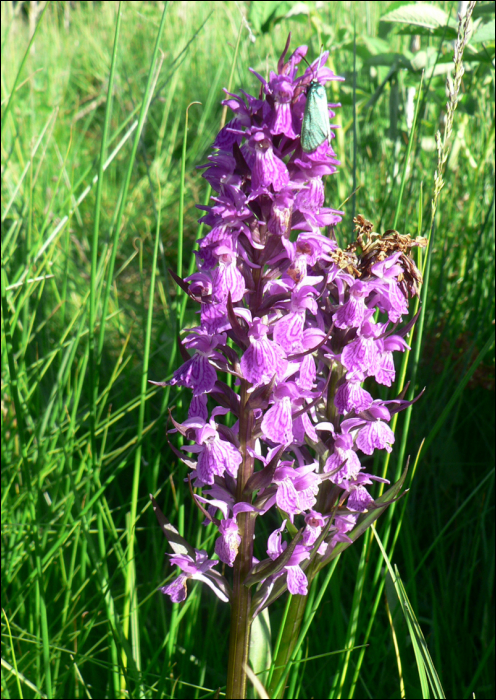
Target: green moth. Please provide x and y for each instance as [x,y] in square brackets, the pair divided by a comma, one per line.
[316,127]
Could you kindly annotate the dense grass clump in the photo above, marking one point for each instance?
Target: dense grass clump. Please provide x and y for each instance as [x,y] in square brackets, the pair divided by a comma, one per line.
[99,188]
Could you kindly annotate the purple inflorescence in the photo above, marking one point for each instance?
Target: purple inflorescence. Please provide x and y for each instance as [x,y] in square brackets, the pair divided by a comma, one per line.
[300,325]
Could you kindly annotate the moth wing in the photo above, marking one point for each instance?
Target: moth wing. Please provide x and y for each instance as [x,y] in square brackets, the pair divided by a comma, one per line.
[316,127]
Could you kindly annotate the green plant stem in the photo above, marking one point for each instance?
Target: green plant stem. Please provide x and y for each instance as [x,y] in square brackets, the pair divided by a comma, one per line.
[407,156]
[130,605]
[149,89]
[307,621]
[180,234]
[19,72]
[279,638]
[289,639]
[93,373]
[296,607]
[239,638]
[30,486]
[353,621]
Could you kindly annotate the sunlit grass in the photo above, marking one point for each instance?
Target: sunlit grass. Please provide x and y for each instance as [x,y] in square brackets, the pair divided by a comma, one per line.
[83,434]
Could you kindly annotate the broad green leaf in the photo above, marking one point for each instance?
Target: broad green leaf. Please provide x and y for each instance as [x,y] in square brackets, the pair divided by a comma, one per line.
[375,44]
[479,57]
[428,61]
[299,8]
[389,59]
[260,645]
[263,15]
[260,13]
[297,12]
[447,33]
[484,33]
[421,15]
[483,8]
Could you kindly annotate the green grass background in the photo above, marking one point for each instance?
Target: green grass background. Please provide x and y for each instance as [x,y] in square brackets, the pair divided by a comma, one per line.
[84,435]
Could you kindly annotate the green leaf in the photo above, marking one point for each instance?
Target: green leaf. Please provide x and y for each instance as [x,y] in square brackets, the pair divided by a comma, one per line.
[483,8]
[389,59]
[480,57]
[421,15]
[299,8]
[428,60]
[375,45]
[484,33]
[178,543]
[366,520]
[447,33]
[260,645]
[425,665]
[260,13]
[263,15]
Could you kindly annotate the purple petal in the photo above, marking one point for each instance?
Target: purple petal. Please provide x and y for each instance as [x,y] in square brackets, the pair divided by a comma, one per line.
[350,396]
[274,545]
[375,436]
[308,373]
[303,426]
[198,407]
[349,470]
[225,139]
[311,197]
[268,169]
[297,581]
[287,498]
[282,120]
[227,278]
[300,553]
[351,314]
[177,589]
[277,424]
[385,372]
[280,218]
[217,457]
[220,591]
[288,330]
[345,523]
[226,546]
[361,355]
[197,374]
[394,343]
[310,534]
[307,498]
[262,360]
[359,499]
[398,303]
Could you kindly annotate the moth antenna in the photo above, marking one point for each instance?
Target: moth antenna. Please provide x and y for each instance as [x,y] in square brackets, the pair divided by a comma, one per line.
[311,67]
[320,57]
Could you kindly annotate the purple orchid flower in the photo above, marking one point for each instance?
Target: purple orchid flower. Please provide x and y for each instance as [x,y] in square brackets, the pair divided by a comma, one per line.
[300,324]
[296,578]
[198,569]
